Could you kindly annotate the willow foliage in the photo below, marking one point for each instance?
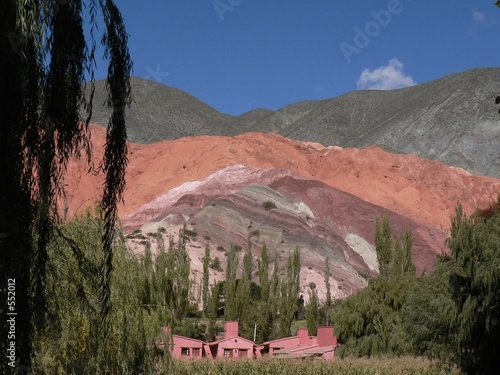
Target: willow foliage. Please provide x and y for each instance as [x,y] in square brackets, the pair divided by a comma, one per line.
[454,314]
[370,322]
[428,315]
[66,343]
[44,64]
[474,266]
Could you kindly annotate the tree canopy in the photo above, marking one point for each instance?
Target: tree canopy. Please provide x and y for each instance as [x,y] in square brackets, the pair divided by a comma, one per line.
[474,266]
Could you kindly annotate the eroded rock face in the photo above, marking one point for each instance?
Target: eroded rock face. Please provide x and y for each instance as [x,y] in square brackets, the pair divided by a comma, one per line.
[284,211]
[421,189]
[326,199]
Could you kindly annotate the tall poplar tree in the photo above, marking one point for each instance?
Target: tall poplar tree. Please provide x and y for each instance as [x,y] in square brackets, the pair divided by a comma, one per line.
[290,287]
[312,310]
[231,306]
[206,279]
[266,318]
[328,298]
[383,244]
[264,274]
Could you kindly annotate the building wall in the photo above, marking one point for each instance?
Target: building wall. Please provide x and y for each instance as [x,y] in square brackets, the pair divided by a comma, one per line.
[284,343]
[185,347]
[326,336]
[235,348]
[302,338]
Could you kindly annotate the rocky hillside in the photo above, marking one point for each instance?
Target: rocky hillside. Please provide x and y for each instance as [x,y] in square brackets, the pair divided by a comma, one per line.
[453,119]
[159,112]
[278,208]
[326,198]
[420,189]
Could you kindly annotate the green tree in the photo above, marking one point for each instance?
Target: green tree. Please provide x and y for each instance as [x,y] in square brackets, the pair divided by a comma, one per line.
[290,287]
[165,281]
[401,259]
[212,313]
[265,318]
[328,299]
[393,254]
[206,278]
[371,321]
[244,285]
[45,58]
[474,266]
[230,284]
[383,244]
[428,313]
[65,345]
[274,290]
[175,283]
[264,274]
[244,300]
[312,310]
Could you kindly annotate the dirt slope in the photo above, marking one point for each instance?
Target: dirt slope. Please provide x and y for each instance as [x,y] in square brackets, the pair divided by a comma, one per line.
[420,189]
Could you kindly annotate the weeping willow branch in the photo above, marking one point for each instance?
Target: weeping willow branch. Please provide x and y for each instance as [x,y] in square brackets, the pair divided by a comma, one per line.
[45,60]
[115,155]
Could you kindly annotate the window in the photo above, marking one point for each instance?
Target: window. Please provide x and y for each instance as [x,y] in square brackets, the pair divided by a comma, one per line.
[243,353]
[185,351]
[227,353]
[196,352]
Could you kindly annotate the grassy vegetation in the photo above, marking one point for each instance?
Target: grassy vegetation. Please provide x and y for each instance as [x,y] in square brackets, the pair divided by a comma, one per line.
[404,365]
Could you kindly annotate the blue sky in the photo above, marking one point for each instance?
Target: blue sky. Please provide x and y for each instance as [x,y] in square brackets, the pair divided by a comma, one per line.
[237,55]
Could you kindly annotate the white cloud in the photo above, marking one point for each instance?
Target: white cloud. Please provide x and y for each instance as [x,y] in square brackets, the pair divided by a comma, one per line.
[479,17]
[386,77]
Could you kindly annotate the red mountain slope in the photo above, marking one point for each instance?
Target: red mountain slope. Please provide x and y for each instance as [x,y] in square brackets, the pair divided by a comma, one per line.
[420,189]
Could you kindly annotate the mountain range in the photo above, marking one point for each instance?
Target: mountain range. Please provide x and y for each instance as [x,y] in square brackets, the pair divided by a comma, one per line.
[453,119]
[264,177]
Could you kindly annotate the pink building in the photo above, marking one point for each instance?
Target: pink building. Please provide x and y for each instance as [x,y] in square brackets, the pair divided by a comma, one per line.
[302,345]
[326,336]
[327,343]
[231,346]
[270,347]
[180,346]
